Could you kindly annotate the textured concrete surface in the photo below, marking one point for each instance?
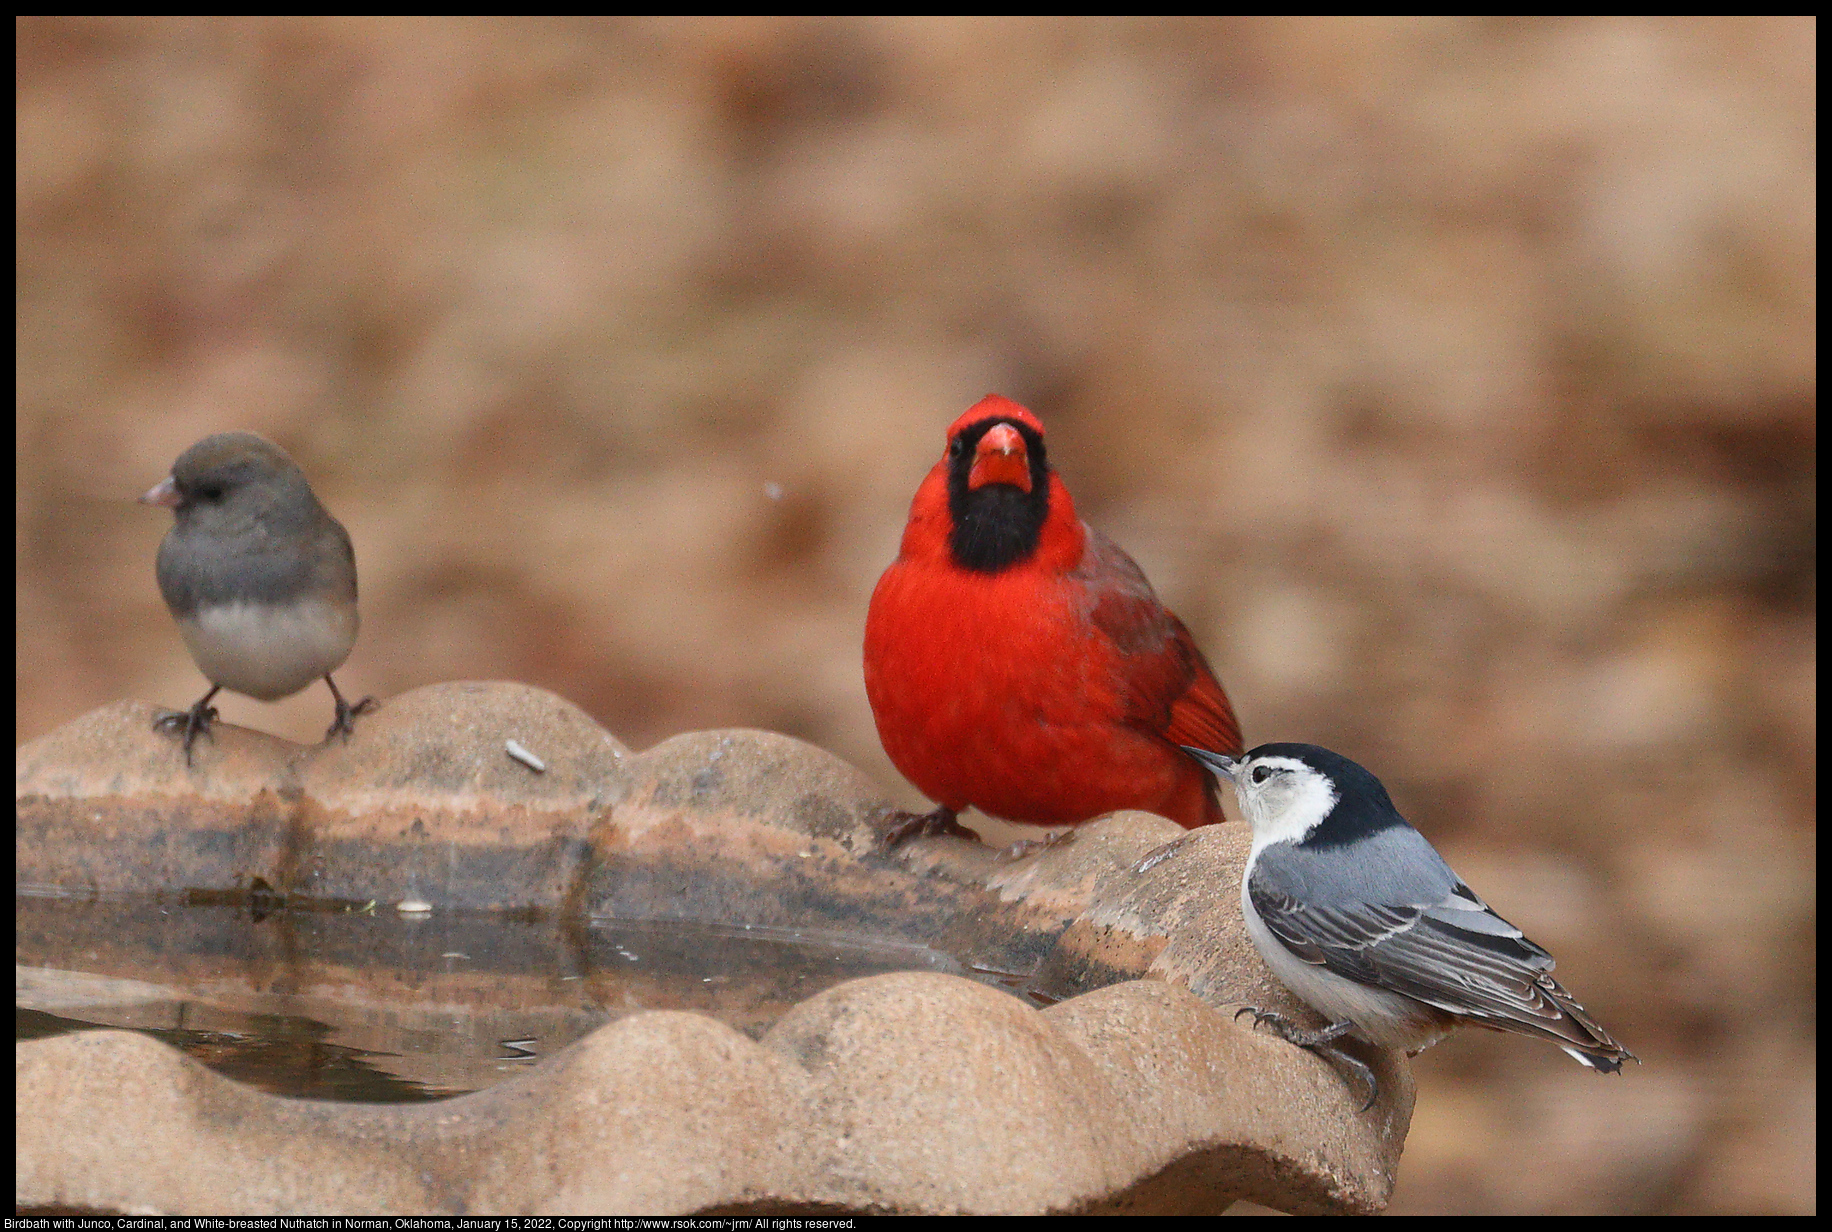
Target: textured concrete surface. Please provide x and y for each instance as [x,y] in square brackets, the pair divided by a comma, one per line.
[907,1092]
[901,1093]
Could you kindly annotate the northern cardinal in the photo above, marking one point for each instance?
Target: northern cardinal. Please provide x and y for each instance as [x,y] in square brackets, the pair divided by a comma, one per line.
[1017,660]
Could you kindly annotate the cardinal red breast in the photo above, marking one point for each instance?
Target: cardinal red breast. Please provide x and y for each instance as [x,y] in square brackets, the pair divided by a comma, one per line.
[1018,661]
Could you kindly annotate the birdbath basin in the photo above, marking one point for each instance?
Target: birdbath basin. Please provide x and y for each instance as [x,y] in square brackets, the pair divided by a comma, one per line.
[682,981]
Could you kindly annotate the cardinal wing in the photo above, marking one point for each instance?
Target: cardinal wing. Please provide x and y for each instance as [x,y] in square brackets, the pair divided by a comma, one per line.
[1170,688]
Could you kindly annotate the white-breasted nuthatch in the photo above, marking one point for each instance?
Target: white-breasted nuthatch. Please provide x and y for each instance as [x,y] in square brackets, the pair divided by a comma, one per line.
[1364,921]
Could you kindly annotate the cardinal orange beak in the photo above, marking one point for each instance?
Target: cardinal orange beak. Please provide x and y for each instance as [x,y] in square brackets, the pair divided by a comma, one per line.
[1000,458]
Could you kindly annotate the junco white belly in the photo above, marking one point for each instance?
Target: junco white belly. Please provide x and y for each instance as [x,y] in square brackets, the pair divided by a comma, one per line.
[270,650]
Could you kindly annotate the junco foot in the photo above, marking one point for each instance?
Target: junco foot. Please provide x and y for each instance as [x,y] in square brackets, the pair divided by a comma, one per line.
[261,579]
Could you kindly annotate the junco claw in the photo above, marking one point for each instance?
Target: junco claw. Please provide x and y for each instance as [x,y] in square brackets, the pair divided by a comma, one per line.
[345,722]
[194,722]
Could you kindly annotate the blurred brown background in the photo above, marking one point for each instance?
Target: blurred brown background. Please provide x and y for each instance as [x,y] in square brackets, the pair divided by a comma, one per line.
[1454,380]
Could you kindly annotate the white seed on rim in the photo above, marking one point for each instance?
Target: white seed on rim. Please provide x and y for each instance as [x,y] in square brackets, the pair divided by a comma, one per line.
[525,757]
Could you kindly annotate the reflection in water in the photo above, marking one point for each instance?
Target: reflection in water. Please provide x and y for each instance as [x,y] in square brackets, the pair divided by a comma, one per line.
[374,1007]
[283,1056]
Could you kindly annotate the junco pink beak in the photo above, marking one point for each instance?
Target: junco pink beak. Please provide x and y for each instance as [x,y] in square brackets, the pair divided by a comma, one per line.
[165,492]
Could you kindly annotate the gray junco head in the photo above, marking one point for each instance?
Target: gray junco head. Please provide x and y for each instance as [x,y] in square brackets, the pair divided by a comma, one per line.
[261,579]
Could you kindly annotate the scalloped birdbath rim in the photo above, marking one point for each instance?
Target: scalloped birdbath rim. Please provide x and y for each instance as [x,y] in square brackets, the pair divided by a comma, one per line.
[905,1092]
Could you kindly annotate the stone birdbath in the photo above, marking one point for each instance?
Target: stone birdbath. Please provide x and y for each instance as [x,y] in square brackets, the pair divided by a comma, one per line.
[1051,1033]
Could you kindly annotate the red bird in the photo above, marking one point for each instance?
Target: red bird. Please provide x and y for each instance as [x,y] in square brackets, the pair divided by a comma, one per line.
[1018,661]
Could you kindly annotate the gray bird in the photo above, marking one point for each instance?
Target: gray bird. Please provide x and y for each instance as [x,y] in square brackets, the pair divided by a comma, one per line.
[1361,918]
[261,579]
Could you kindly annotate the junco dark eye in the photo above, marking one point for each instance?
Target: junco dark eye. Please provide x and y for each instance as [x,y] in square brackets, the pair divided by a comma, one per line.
[209,491]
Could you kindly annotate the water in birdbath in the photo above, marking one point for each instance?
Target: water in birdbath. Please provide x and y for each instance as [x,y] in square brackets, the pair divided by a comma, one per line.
[364,1002]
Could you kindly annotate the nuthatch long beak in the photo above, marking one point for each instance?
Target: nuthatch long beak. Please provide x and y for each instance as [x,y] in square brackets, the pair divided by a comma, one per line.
[1220,763]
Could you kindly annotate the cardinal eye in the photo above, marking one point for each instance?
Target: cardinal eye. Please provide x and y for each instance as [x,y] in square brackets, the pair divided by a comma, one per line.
[1260,774]
[956,447]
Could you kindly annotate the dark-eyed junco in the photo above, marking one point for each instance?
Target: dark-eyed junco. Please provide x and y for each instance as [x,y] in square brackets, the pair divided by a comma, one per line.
[261,579]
